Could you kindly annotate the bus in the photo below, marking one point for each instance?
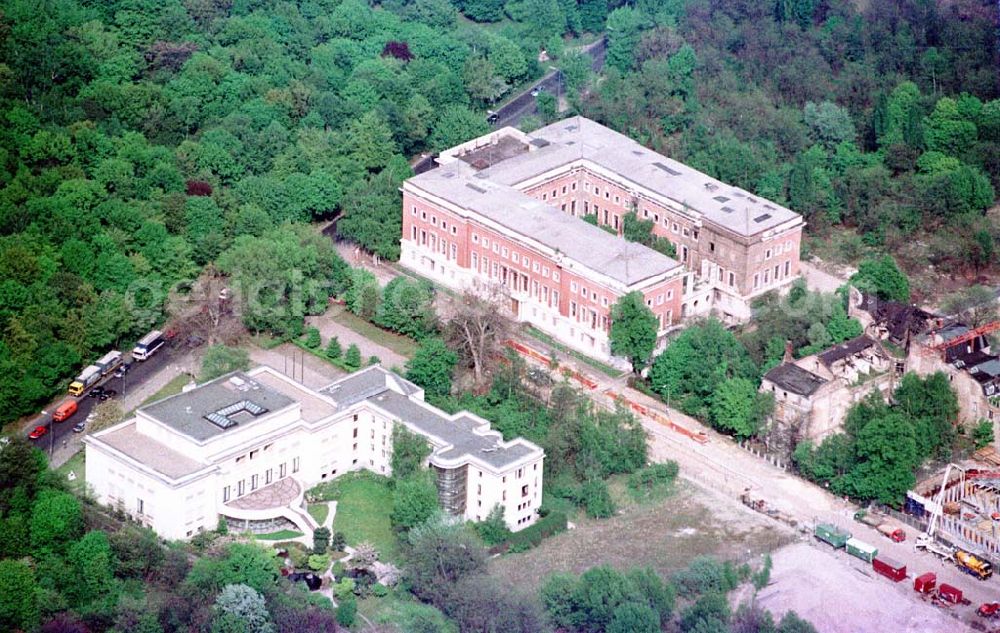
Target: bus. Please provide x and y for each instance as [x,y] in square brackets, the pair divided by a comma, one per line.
[148,345]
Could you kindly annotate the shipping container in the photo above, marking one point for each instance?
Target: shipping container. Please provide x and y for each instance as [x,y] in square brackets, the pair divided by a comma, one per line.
[148,345]
[87,379]
[862,550]
[831,534]
[109,362]
[889,568]
[925,583]
[950,594]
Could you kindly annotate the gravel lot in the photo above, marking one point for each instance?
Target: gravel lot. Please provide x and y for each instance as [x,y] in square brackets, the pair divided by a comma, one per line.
[845,596]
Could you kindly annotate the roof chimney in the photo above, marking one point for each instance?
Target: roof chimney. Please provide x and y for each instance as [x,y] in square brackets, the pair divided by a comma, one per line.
[787,358]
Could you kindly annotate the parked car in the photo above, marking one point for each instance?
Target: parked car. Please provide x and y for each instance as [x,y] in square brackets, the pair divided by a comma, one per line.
[492,117]
[989,610]
[123,369]
[536,91]
[38,432]
[95,392]
[108,394]
[312,580]
[80,427]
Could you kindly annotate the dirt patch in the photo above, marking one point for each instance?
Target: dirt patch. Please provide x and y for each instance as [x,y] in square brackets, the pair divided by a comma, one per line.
[845,596]
[666,535]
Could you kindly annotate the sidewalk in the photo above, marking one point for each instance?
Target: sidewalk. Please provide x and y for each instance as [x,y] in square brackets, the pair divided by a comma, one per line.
[298,364]
[329,327]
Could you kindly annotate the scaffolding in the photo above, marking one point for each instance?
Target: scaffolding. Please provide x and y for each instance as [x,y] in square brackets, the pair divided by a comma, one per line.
[451,486]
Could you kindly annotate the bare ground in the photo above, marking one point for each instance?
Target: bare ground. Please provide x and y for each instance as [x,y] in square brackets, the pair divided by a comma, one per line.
[845,596]
[665,535]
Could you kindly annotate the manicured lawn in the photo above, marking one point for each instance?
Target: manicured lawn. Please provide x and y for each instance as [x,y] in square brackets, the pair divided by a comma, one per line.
[319,511]
[77,466]
[402,345]
[280,535]
[364,503]
[171,388]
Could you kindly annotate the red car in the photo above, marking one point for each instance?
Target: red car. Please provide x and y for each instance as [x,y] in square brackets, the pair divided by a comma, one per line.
[989,609]
[38,432]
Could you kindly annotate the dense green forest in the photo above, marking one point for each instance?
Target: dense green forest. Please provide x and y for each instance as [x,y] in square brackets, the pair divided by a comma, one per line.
[883,119]
[143,140]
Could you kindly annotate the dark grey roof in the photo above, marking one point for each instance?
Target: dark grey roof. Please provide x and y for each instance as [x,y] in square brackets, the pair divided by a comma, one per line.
[186,412]
[459,433]
[365,383]
[845,349]
[793,378]
[464,436]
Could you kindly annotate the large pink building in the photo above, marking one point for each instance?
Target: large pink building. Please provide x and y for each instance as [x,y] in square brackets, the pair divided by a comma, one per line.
[506,210]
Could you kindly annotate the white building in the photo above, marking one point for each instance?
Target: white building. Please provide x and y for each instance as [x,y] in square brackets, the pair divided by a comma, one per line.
[247,446]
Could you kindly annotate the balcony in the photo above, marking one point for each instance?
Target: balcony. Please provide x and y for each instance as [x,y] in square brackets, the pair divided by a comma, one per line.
[282,498]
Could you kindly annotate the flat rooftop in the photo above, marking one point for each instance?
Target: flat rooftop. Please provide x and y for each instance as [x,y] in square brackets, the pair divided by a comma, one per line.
[465,435]
[150,453]
[231,401]
[626,262]
[791,377]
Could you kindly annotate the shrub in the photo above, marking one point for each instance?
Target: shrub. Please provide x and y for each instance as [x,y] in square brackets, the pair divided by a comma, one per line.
[654,478]
[493,529]
[347,611]
[333,349]
[343,589]
[299,557]
[338,542]
[374,360]
[532,536]
[353,357]
[223,527]
[597,500]
[319,562]
[704,575]
[379,590]
[313,339]
[321,540]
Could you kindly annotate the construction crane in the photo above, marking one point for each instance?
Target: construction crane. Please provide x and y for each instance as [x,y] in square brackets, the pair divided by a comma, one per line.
[971,335]
[926,540]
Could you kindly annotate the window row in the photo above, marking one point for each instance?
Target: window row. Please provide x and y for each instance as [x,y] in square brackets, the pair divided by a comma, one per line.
[434,220]
[249,484]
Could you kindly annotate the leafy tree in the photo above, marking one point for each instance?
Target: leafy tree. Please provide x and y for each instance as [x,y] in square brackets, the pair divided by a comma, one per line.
[624,25]
[441,553]
[242,564]
[483,10]
[91,568]
[413,502]
[18,596]
[695,363]
[407,307]
[371,207]
[221,359]
[432,367]
[364,295]
[931,405]
[887,454]
[352,357]
[493,529]
[409,450]
[982,434]
[706,575]
[946,130]
[882,277]
[457,124]
[56,521]
[829,124]
[737,406]
[634,617]
[241,609]
[633,330]
[709,613]
[369,141]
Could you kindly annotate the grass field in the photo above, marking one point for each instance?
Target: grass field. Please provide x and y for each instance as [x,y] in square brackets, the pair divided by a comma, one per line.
[78,467]
[364,502]
[171,388]
[666,535]
[402,345]
[280,535]
[319,511]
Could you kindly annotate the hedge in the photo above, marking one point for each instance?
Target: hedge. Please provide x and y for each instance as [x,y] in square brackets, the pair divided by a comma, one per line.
[531,536]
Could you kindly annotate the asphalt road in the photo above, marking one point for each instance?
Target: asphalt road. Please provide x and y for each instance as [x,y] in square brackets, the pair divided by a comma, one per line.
[139,373]
[525,104]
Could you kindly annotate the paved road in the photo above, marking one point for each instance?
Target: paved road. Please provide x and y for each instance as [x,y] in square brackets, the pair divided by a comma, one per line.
[137,375]
[525,104]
